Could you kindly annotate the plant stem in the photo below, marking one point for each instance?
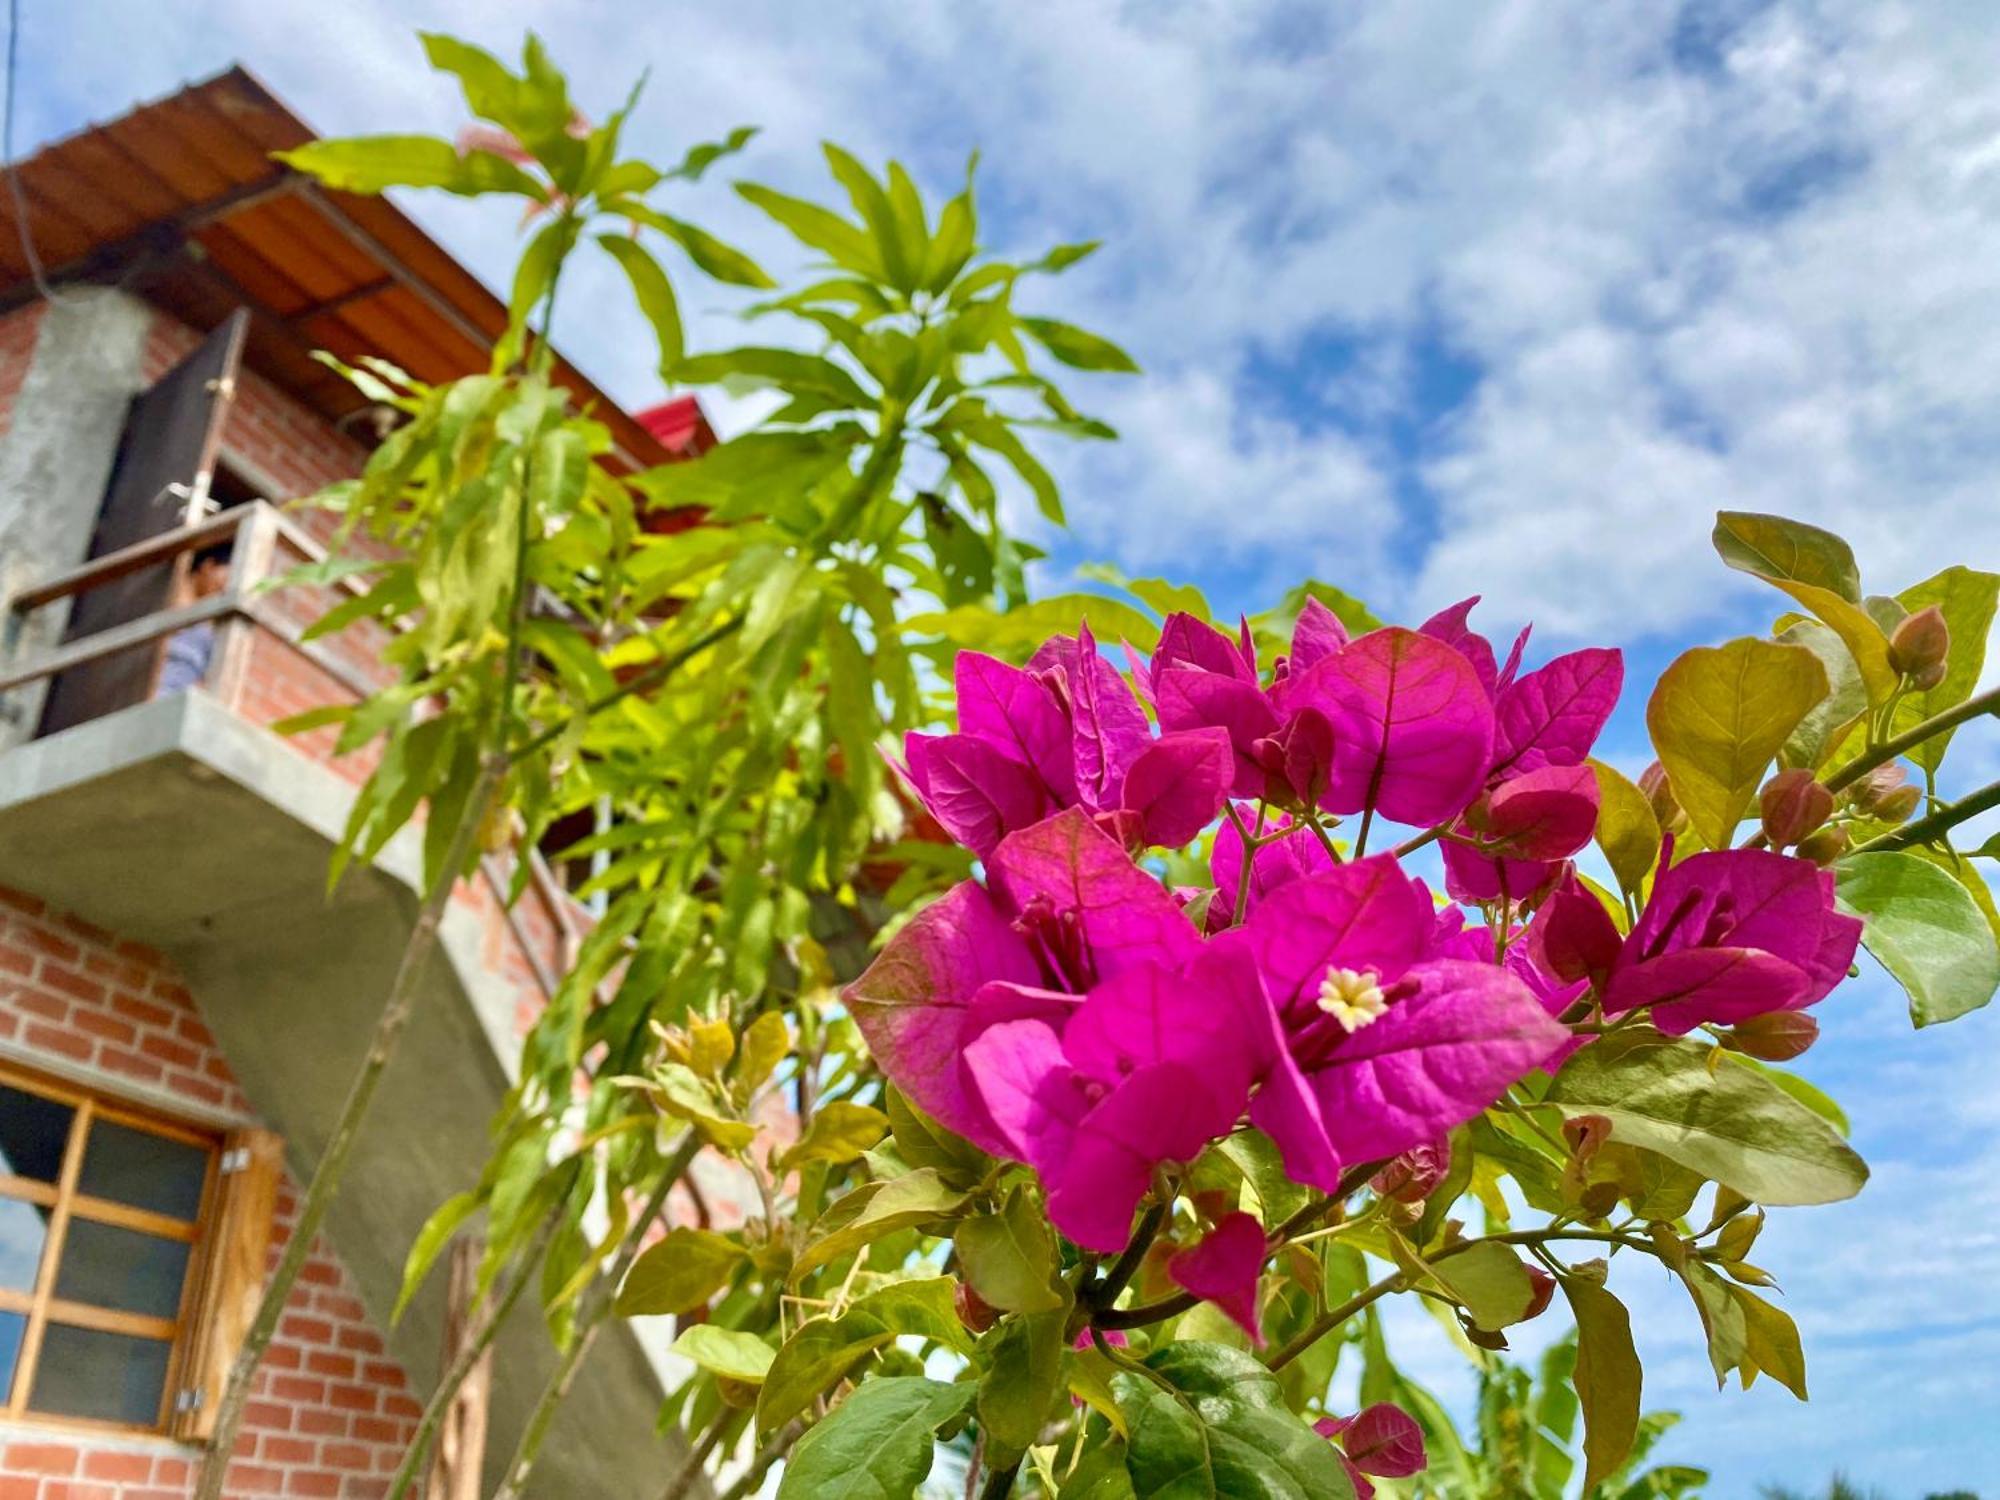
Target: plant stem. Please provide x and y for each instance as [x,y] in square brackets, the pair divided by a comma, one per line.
[1936,824]
[467,1357]
[752,1478]
[655,674]
[1327,1321]
[697,1456]
[1983,703]
[1367,822]
[1105,1292]
[1413,844]
[1000,1482]
[332,1164]
[590,1315]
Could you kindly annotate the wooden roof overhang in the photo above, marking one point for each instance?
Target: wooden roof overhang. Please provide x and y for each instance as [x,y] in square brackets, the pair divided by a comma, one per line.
[180,202]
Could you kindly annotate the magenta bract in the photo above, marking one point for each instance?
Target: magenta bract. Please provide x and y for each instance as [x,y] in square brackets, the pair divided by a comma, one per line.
[1224,1269]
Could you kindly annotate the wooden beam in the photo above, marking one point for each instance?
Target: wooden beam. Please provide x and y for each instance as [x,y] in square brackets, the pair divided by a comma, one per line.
[125,560]
[461,1436]
[138,632]
[352,295]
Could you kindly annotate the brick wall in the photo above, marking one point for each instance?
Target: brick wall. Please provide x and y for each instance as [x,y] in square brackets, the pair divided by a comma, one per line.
[333,1412]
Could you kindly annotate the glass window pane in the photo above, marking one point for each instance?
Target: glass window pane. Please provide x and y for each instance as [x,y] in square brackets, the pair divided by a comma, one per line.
[12,1326]
[108,1376]
[33,1133]
[145,1170]
[107,1266]
[23,1227]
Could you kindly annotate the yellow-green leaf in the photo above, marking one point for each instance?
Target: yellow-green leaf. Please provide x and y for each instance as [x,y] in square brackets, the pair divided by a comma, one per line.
[726,1352]
[1966,597]
[1718,717]
[839,1132]
[1608,1377]
[1779,550]
[1627,831]
[678,1273]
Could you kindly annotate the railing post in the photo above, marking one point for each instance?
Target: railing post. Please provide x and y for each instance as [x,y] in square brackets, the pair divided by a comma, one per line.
[252,559]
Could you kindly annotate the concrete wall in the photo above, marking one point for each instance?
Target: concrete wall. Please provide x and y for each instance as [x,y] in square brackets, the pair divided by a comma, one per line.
[86,363]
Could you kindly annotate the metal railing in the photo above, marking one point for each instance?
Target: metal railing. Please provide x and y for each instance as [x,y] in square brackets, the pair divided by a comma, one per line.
[244,608]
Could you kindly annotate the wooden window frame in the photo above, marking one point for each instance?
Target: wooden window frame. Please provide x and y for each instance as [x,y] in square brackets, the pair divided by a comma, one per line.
[41,1306]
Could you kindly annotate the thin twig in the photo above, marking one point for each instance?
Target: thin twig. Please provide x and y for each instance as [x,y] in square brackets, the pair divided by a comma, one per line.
[1937,824]
[1983,703]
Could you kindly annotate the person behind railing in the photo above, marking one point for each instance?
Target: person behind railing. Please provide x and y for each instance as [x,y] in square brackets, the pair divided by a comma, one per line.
[189,651]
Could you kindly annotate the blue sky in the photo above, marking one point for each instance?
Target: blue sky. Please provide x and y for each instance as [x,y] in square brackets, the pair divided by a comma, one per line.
[1434,299]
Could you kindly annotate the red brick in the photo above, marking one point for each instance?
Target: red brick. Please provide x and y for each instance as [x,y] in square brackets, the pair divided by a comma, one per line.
[19,1488]
[350,1398]
[267,1415]
[324,1362]
[324,1423]
[131,1064]
[115,1465]
[97,1023]
[41,1458]
[286,1450]
[143,1011]
[315,1484]
[70,1045]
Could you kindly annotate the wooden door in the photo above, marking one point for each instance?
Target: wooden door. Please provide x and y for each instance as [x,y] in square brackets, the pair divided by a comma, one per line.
[166,458]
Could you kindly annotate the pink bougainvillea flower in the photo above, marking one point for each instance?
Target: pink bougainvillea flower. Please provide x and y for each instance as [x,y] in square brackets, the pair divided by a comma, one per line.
[1573,937]
[1382,1440]
[1412,725]
[978,793]
[1731,934]
[1553,716]
[1453,627]
[1108,728]
[1525,827]
[1201,679]
[1176,786]
[1297,761]
[1020,713]
[1154,1064]
[1064,908]
[1385,1045]
[1297,853]
[1224,1269]
[1317,634]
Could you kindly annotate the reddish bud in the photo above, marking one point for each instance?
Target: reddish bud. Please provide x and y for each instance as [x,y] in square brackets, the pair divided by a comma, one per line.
[1897,806]
[1793,804]
[1920,643]
[1297,760]
[974,1311]
[1659,792]
[1886,780]
[1824,847]
[1776,1036]
[1409,1178]
[1544,1289]
[1573,935]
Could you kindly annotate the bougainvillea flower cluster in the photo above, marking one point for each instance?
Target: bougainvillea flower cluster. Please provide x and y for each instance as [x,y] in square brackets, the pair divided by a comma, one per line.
[1069,1011]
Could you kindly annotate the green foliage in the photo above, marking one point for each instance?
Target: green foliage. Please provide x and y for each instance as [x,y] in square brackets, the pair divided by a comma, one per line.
[1926,929]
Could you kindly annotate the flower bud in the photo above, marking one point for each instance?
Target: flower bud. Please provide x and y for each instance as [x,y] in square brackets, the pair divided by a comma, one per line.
[1659,793]
[1884,781]
[1825,846]
[974,1311]
[1920,643]
[1409,1178]
[1776,1036]
[1897,806]
[1545,1289]
[1573,935]
[1793,804]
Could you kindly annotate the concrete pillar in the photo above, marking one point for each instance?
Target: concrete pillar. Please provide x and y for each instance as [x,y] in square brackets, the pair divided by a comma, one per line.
[55,459]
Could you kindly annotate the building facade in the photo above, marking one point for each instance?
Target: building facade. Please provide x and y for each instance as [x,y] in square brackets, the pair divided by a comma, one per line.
[181,1003]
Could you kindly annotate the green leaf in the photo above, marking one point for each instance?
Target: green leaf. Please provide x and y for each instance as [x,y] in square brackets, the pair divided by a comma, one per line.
[820,1353]
[1077,347]
[872,203]
[1016,634]
[1489,1282]
[785,369]
[679,1273]
[726,1352]
[374,163]
[1010,1257]
[1024,1377]
[839,1132]
[922,1142]
[1724,1120]
[1607,1375]
[429,1244]
[655,295]
[1925,929]
[1774,548]
[1967,598]
[1722,1317]
[877,1444]
[764,1044]
[1627,831]
[818,228]
[680,1092]
[1100,1476]
[1256,1156]
[1064,256]
[724,262]
[700,158]
[1222,1432]
[923,1306]
[919,1198]
[1770,1343]
[1825,725]
[1719,715]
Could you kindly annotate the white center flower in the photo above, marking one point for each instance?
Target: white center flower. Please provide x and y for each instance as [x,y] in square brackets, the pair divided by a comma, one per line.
[1353,997]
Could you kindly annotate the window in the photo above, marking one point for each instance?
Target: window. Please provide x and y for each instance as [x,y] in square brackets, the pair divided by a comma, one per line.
[118,1230]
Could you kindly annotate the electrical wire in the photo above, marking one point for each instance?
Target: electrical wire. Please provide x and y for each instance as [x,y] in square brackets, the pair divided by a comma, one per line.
[9,168]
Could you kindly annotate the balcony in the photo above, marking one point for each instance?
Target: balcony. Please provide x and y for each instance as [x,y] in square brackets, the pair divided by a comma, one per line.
[185,823]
